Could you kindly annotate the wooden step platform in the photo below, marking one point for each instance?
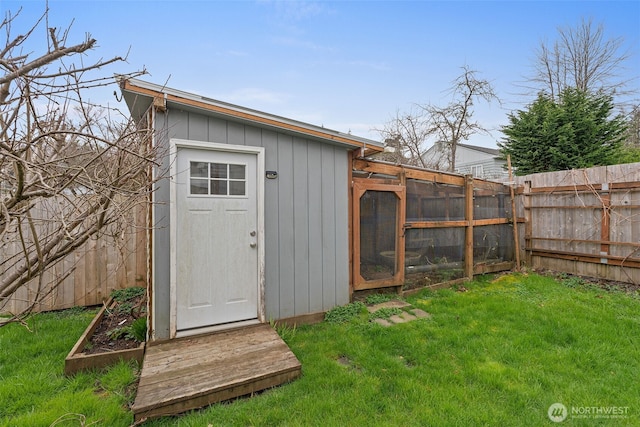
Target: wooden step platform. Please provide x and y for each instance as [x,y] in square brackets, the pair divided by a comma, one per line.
[189,373]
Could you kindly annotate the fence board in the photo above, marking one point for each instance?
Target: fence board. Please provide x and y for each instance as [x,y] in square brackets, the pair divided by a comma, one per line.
[89,275]
[594,212]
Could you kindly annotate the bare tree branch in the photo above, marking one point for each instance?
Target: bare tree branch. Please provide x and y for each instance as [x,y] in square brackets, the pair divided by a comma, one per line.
[445,127]
[68,170]
[581,57]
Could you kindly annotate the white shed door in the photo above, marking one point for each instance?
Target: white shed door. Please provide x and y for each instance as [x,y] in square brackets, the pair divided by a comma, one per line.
[216,233]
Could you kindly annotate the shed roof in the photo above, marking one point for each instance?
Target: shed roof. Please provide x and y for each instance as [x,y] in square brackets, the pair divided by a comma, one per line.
[140,95]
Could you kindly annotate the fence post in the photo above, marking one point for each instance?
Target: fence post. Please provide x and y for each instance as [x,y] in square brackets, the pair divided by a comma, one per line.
[468,238]
[605,224]
[528,228]
[514,214]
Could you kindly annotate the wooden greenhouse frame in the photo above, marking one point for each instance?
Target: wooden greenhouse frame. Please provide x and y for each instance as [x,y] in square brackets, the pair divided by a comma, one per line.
[371,175]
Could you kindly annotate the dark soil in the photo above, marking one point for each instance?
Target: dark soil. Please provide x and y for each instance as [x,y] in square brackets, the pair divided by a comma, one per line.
[102,342]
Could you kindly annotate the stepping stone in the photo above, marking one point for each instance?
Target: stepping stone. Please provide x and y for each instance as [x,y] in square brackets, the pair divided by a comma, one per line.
[382,322]
[388,304]
[397,319]
[420,313]
[407,316]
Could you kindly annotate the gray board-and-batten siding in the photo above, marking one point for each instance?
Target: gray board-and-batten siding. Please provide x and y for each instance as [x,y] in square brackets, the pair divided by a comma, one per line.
[306,216]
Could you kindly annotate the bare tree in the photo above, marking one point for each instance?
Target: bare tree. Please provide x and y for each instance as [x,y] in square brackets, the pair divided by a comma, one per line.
[407,134]
[69,170]
[445,127]
[581,58]
[453,123]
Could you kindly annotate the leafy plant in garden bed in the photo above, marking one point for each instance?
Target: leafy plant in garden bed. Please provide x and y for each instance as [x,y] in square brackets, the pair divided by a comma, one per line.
[118,332]
[123,325]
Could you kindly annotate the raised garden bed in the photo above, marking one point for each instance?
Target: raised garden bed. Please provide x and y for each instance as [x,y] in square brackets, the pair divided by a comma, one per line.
[105,342]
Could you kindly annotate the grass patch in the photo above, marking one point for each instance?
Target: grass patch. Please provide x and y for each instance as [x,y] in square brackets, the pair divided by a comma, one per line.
[33,388]
[499,353]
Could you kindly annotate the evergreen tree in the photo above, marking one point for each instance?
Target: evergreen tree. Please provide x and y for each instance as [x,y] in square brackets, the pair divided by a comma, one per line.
[576,131]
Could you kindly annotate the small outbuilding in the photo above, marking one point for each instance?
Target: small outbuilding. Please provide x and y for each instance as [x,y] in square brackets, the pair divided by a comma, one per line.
[250,214]
[257,218]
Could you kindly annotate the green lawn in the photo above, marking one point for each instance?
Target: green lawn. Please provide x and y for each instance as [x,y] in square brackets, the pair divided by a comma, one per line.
[499,353]
[33,388]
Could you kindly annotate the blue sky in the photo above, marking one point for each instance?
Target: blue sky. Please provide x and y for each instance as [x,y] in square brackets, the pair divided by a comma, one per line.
[345,65]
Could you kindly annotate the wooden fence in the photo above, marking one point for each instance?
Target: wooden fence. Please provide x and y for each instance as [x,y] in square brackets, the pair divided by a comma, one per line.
[584,222]
[102,264]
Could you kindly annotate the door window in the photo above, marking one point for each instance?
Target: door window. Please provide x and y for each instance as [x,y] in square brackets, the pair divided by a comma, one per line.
[217,179]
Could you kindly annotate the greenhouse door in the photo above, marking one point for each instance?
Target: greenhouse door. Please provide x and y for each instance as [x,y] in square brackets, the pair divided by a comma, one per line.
[378,216]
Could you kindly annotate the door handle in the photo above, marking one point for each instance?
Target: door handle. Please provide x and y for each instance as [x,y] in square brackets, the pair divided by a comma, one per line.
[253,244]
